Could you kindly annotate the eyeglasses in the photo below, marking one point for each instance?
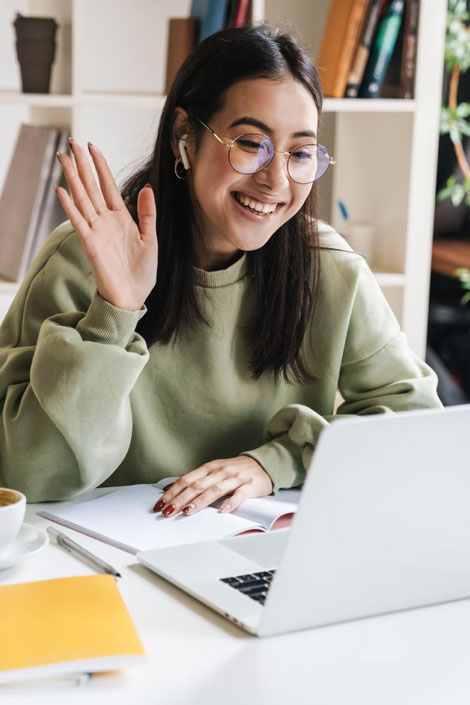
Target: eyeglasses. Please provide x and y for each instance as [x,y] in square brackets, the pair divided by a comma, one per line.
[252,152]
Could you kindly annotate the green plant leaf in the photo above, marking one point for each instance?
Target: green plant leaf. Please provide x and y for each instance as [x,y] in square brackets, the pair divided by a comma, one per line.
[463,127]
[457,198]
[463,274]
[455,134]
[453,121]
[457,41]
[463,110]
[465,299]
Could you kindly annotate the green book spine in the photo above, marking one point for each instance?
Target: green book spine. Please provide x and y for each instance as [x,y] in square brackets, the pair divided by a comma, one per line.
[383,49]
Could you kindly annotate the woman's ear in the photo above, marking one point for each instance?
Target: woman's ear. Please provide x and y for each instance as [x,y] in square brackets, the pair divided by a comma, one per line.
[179,137]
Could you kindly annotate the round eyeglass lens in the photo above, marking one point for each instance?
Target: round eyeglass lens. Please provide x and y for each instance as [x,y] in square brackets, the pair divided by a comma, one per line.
[308,163]
[250,153]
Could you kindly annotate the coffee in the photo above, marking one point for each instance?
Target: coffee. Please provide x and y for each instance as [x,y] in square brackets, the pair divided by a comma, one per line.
[9,497]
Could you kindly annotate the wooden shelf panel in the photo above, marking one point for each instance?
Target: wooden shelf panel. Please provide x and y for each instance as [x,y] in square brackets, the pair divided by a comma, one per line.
[389,279]
[42,99]
[138,100]
[330,105]
[364,105]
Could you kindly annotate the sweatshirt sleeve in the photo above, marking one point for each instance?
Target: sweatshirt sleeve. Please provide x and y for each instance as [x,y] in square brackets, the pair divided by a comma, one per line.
[376,373]
[68,362]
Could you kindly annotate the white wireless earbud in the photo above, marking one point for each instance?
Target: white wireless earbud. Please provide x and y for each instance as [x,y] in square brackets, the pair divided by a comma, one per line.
[182,148]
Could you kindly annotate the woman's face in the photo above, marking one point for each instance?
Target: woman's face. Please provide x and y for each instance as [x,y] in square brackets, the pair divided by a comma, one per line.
[284,111]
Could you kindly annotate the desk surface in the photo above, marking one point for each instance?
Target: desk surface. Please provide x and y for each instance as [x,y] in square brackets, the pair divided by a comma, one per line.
[419,657]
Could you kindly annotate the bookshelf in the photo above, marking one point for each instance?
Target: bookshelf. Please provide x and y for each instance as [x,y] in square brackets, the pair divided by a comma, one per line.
[107,85]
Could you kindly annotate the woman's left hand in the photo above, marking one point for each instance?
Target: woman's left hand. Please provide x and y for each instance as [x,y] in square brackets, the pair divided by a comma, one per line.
[240,477]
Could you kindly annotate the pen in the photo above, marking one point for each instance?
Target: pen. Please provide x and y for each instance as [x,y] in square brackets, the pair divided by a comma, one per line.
[73,547]
[66,679]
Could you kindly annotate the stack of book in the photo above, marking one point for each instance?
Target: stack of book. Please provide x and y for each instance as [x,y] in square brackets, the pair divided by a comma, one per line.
[368,49]
[206,18]
[29,207]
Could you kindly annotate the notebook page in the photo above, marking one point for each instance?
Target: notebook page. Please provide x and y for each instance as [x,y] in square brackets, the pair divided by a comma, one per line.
[125,519]
[265,510]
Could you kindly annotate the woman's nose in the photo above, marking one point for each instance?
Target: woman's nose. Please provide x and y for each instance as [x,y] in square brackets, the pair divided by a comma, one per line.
[275,174]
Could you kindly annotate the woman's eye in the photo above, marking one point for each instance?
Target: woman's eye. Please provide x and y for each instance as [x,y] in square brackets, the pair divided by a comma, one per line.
[249,144]
[302,156]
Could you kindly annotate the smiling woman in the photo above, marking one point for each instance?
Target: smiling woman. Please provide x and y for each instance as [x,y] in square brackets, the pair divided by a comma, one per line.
[250,170]
[200,322]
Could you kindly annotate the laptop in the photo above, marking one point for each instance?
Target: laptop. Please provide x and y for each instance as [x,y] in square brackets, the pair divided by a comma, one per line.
[383,524]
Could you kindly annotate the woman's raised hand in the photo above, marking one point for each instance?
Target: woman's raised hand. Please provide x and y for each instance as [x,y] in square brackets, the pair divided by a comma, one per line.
[122,255]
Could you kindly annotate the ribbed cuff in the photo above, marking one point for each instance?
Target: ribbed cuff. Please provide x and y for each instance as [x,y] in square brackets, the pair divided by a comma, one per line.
[104,323]
[280,458]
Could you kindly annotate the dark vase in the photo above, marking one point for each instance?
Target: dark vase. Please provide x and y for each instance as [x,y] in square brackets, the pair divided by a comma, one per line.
[35,48]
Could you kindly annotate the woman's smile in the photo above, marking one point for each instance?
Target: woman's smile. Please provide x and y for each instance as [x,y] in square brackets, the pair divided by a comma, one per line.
[254,208]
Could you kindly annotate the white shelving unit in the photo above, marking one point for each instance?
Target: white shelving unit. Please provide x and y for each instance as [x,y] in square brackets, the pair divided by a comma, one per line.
[107,85]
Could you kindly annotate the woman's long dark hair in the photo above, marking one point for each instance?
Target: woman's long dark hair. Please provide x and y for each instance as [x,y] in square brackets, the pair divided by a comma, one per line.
[286,269]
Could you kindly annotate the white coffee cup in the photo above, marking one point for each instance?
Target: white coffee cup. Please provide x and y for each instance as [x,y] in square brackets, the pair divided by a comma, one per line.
[12,510]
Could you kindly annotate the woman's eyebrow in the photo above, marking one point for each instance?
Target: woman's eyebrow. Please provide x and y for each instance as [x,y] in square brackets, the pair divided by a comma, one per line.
[261,126]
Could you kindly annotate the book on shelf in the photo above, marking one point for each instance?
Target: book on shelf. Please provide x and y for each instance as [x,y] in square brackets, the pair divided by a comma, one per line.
[182,38]
[65,625]
[28,212]
[338,44]
[198,10]
[366,38]
[144,530]
[382,50]
[410,50]
[206,17]
[212,16]
[390,87]
[400,77]
[51,213]
[239,13]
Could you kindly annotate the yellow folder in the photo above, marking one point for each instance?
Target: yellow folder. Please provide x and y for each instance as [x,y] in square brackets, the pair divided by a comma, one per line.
[65,625]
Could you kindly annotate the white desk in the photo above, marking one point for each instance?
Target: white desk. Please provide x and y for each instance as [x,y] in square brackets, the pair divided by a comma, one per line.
[421,657]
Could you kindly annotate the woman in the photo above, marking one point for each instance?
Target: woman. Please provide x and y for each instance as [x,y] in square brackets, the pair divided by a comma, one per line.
[220,364]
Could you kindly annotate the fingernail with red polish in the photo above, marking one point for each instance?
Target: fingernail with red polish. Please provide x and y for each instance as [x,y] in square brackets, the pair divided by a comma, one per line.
[189,508]
[148,186]
[168,510]
[159,505]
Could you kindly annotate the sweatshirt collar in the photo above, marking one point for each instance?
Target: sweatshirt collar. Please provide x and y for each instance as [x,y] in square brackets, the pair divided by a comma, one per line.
[221,277]
[236,271]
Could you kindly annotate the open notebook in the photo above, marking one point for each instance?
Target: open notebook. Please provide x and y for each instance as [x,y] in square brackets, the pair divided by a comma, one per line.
[65,625]
[124,518]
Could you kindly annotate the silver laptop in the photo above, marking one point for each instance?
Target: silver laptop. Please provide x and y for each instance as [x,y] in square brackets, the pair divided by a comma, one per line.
[383,524]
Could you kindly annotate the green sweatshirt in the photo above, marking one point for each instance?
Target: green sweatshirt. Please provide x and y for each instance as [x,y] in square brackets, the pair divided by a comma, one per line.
[85,402]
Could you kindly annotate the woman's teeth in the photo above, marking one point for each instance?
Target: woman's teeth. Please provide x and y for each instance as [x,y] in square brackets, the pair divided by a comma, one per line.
[255,205]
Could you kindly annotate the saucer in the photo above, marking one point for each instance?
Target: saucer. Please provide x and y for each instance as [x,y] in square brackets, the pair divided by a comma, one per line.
[30,540]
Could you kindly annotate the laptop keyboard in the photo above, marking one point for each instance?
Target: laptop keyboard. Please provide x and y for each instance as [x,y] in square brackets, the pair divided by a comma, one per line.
[254,585]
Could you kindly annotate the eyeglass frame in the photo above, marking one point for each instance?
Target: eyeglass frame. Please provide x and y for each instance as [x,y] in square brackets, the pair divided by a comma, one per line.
[331,160]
